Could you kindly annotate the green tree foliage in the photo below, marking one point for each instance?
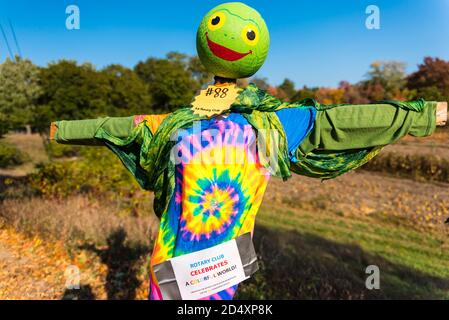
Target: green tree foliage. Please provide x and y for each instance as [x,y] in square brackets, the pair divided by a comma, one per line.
[304,93]
[386,80]
[193,65]
[128,93]
[72,91]
[199,72]
[170,81]
[431,81]
[19,90]
[288,87]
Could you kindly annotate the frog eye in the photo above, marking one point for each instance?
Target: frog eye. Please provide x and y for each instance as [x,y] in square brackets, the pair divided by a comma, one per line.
[250,34]
[216,21]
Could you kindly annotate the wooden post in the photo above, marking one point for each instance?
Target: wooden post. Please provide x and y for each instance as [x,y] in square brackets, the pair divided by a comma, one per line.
[441,113]
[53,129]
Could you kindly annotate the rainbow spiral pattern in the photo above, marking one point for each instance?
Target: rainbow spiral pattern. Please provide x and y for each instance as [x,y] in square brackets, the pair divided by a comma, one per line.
[219,188]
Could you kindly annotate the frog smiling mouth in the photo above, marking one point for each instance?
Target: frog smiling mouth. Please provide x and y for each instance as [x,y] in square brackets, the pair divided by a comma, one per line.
[223,52]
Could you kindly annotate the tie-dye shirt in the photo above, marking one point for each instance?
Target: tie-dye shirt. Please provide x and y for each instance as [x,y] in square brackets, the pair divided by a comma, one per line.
[219,186]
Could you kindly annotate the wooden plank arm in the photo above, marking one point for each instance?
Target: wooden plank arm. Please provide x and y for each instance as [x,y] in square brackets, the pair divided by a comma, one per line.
[53,129]
[441,114]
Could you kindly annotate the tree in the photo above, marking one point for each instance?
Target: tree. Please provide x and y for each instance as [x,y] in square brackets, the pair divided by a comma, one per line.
[277,92]
[288,87]
[329,95]
[193,65]
[19,90]
[71,91]
[305,93]
[169,81]
[431,81]
[178,57]
[198,71]
[262,83]
[386,80]
[351,93]
[128,93]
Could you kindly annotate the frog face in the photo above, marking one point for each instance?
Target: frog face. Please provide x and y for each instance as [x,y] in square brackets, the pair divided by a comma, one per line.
[233,41]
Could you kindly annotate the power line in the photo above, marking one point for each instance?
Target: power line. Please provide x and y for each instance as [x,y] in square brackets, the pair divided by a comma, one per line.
[7,43]
[15,38]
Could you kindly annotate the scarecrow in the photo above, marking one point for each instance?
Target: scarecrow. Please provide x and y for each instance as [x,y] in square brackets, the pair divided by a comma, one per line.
[209,163]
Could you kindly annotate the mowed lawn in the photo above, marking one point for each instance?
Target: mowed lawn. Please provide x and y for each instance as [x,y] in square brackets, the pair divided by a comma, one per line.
[307,253]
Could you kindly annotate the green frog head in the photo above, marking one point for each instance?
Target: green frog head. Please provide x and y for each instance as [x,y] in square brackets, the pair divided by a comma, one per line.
[233,40]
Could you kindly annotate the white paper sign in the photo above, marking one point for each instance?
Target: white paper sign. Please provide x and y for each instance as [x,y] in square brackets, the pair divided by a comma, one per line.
[202,273]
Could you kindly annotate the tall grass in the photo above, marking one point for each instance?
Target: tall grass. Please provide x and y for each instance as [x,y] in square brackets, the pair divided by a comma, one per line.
[74,219]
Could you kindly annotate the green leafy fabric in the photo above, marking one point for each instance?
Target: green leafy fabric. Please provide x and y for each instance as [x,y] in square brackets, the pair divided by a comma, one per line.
[332,160]
[325,164]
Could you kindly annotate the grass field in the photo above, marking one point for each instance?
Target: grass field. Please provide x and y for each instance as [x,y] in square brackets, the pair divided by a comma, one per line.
[319,255]
[314,240]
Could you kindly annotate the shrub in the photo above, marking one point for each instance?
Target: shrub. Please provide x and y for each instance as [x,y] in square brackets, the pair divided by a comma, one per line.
[419,167]
[11,156]
[97,173]
[56,150]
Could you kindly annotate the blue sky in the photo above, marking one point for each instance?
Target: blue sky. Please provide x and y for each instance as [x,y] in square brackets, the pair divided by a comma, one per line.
[312,42]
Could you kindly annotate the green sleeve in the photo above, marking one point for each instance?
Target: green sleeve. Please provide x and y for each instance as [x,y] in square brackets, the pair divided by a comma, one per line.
[82,132]
[344,127]
[345,137]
